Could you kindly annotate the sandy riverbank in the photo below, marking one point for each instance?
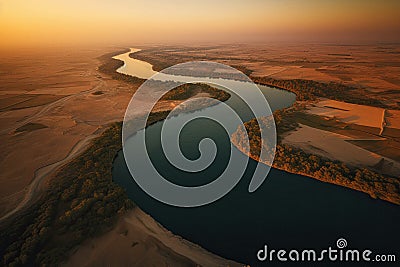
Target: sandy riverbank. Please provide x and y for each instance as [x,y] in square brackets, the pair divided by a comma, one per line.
[338,147]
[138,240]
[68,124]
[73,116]
[87,100]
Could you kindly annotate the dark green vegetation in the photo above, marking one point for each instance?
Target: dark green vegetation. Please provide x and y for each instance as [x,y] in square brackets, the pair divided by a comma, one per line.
[98,93]
[81,202]
[29,127]
[365,180]
[181,92]
[310,90]
[295,160]
[109,66]
[157,59]
[385,144]
[189,90]
[162,58]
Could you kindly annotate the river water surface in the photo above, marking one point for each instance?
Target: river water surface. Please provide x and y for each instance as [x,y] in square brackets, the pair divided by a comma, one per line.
[288,211]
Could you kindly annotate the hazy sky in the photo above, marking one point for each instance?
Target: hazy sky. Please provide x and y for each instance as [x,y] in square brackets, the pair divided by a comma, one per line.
[57,22]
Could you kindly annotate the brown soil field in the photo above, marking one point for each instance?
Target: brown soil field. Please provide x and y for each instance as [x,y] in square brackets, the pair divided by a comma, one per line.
[373,67]
[138,240]
[328,125]
[340,147]
[59,90]
[51,88]
[349,113]
[50,110]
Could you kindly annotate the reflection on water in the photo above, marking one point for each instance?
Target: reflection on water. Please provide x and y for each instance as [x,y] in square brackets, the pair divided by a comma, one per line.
[140,68]
[287,211]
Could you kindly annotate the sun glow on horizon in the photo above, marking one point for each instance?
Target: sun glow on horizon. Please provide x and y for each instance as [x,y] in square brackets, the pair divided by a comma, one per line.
[47,22]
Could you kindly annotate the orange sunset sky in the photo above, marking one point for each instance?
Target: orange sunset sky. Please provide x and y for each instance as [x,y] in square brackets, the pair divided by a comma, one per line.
[48,22]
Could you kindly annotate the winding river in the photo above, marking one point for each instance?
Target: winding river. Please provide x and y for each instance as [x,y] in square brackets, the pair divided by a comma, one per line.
[287,211]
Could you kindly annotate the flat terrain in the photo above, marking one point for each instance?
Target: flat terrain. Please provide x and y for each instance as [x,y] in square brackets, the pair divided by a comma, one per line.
[350,113]
[52,103]
[374,67]
[47,108]
[358,135]
[42,132]
[339,147]
[138,240]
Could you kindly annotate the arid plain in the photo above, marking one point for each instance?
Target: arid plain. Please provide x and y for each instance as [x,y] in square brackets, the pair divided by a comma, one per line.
[54,102]
[51,106]
[362,135]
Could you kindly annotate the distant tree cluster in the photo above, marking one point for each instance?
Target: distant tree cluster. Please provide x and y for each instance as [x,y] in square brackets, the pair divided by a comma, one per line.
[376,185]
[182,91]
[159,59]
[163,58]
[189,90]
[81,202]
[110,65]
[295,160]
[310,90]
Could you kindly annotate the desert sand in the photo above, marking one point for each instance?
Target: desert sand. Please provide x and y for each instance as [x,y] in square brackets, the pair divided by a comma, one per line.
[138,240]
[392,118]
[54,89]
[337,147]
[349,113]
[373,129]
[86,102]
[38,137]
[66,98]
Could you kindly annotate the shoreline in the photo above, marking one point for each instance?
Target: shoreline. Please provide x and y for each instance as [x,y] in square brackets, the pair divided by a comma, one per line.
[134,238]
[320,179]
[361,179]
[43,174]
[312,96]
[177,246]
[106,68]
[49,211]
